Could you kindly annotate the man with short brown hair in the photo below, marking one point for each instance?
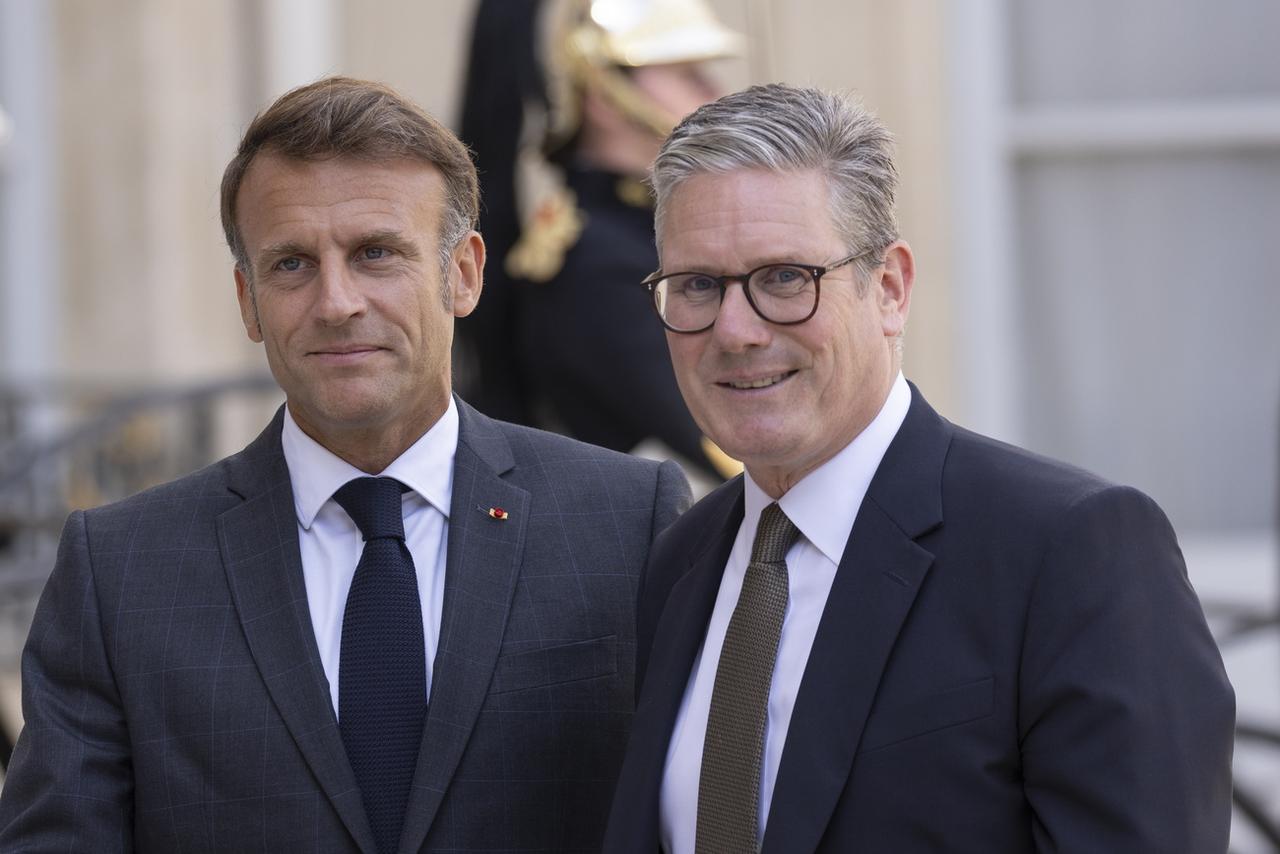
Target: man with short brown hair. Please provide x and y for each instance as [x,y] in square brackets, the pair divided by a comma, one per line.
[389,624]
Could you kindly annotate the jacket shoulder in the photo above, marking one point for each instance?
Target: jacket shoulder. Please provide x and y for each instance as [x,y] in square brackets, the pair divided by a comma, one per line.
[533,446]
[1035,512]
[207,483]
[169,509]
[537,455]
[684,540]
[566,476]
[1013,477]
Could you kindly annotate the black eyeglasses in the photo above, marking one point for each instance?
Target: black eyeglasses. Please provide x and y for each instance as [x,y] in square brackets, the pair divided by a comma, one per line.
[785,294]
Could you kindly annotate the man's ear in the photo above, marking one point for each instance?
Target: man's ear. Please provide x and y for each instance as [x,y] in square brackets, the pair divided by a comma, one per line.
[467,275]
[248,306]
[894,291]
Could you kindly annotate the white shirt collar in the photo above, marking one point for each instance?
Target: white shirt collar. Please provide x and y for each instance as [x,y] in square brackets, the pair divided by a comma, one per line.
[825,502]
[426,466]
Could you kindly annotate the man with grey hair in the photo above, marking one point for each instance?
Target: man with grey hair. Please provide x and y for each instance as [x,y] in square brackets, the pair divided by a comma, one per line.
[890,634]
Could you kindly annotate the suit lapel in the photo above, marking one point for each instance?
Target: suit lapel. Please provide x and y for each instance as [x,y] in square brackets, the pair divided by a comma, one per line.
[482,568]
[258,539]
[880,574]
[678,637]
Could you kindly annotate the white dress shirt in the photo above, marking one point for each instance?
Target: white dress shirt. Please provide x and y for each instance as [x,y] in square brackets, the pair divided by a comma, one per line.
[331,543]
[823,506]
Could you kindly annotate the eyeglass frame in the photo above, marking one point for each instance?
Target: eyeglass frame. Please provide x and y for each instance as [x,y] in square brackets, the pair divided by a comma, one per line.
[651,282]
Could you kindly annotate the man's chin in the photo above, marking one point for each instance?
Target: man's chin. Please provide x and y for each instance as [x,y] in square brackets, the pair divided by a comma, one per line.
[334,417]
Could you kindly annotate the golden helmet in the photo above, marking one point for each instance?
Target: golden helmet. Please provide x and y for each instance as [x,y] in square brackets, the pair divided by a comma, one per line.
[591,41]
[651,32]
[552,54]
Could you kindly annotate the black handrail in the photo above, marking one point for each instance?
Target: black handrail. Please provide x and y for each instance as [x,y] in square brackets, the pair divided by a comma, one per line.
[22,456]
[19,456]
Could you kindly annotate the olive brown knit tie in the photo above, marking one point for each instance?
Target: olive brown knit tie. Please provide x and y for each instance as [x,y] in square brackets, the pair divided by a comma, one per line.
[729,787]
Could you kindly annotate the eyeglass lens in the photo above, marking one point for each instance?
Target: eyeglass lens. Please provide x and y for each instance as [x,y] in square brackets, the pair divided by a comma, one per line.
[780,293]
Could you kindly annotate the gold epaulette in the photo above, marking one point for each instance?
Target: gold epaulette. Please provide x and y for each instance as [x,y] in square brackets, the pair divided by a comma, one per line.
[549,234]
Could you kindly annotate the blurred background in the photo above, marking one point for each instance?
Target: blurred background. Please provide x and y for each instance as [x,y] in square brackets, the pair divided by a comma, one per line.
[1092,190]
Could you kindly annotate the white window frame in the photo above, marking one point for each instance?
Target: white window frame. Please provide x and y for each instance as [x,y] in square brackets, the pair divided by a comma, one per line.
[30,270]
[990,134]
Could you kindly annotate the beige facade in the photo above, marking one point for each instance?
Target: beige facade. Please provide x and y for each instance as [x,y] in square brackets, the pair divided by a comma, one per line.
[889,53]
[151,97]
[1101,289]
[147,112]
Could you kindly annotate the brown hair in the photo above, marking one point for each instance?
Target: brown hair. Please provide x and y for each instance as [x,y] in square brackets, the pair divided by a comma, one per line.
[343,117]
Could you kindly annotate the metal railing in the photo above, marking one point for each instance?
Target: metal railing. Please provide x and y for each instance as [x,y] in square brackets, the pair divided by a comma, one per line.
[73,446]
[1237,624]
[66,446]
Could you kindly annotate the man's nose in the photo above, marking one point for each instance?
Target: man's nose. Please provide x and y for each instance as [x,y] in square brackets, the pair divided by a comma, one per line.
[340,296]
[738,325]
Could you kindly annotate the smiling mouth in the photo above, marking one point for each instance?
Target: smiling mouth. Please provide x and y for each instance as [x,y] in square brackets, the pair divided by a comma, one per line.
[762,382]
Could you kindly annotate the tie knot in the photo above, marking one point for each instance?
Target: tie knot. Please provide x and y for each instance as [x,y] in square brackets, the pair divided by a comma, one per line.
[373,503]
[774,535]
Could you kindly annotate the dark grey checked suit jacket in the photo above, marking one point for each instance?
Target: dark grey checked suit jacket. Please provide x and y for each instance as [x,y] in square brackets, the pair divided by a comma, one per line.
[175,700]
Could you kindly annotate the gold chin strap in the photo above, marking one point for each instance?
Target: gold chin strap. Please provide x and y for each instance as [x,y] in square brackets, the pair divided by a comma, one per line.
[601,37]
[628,99]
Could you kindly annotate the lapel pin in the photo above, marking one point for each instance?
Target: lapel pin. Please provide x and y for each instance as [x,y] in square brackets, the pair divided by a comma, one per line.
[498,513]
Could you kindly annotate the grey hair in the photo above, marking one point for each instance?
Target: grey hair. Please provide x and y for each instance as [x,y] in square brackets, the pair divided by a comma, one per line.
[786,128]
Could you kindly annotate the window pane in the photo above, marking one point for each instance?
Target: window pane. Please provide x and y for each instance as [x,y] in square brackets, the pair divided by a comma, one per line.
[1151,296]
[1101,50]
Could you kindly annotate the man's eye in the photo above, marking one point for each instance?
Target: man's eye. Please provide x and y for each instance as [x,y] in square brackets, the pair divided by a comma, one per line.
[289,265]
[700,284]
[374,253]
[782,276]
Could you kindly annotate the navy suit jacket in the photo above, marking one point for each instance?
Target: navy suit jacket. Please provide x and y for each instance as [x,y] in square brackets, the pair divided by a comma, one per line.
[175,699]
[1011,659]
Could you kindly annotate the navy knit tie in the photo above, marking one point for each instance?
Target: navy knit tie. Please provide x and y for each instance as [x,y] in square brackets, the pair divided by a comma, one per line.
[382,670]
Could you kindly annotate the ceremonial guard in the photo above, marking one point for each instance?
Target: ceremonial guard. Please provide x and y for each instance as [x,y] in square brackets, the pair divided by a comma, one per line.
[565,107]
